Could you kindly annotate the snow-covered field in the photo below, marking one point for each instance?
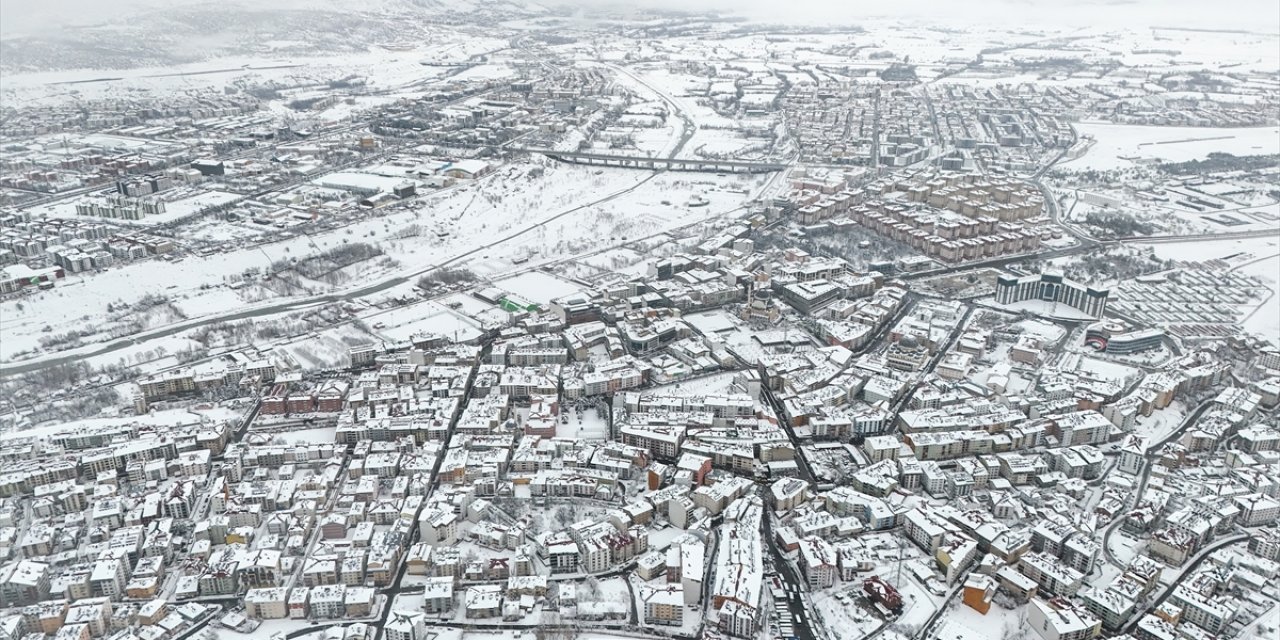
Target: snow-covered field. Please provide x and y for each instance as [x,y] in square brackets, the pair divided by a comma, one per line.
[716,383]
[963,621]
[846,620]
[1120,146]
[1206,250]
[324,349]
[318,436]
[151,354]
[1265,320]
[169,417]
[570,210]
[623,261]
[486,72]
[721,143]
[385,68]
[425,317]
[1105,370]
[539,287]
[1174,216]
[587,424]
[1044,308]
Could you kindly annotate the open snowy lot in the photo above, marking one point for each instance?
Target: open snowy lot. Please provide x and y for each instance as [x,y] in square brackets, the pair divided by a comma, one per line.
[712,384]
[423,318]
[1119,146]
[539,287]
[1264,321]
[962,621]
[324,349]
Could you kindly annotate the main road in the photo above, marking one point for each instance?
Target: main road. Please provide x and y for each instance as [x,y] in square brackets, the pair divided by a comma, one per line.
[792,586]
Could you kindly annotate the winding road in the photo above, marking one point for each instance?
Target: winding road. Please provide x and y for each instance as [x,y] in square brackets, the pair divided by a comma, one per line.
[687,129]
[1151,454]
[1195,562]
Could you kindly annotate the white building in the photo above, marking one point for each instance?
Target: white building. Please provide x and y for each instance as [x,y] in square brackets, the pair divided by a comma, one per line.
[406,625]
[438,527]
[328,601]
[663,605]
[818,562]
[483,601]
[266,604]
[1058,619]
[1132,452]
[437,595]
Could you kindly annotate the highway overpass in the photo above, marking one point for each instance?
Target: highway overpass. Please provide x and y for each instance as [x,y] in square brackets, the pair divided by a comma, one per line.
[660,164]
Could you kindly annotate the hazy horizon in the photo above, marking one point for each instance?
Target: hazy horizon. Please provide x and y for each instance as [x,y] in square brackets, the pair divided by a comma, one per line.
[19,17]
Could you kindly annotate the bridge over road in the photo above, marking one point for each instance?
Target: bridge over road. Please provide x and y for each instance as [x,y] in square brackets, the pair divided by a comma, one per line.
[660,164]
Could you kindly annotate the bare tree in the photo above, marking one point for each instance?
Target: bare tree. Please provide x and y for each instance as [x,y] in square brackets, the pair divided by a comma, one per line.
[589,590]
[566,515]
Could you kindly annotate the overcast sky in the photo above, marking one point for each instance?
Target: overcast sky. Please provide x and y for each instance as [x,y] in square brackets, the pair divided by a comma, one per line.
[1262,15]
[1256,15]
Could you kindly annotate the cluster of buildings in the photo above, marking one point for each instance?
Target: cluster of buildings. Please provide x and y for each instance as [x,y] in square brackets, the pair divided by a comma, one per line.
[1114,336]
[238,369]
[129,115]
[131,203]
[37,251]
[952,216]
[1010,128]
[50,164]
[693,434]
[477,470]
